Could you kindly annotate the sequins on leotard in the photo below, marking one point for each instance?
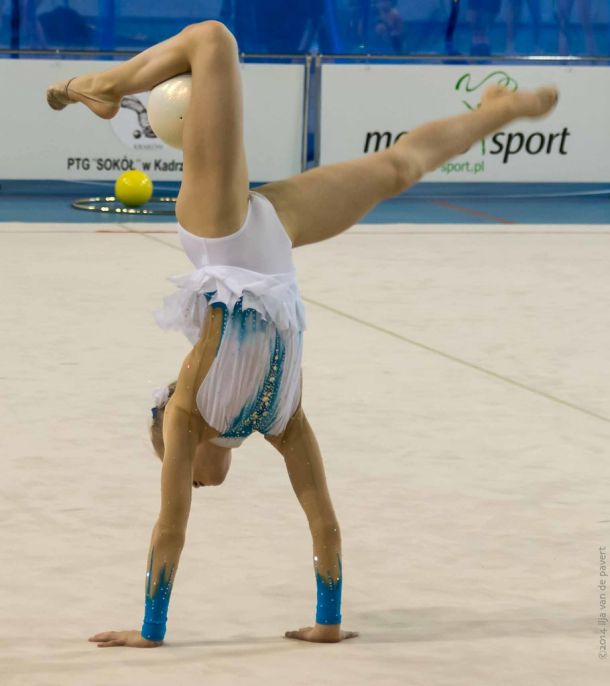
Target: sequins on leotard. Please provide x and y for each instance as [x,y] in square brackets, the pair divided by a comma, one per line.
[260,413]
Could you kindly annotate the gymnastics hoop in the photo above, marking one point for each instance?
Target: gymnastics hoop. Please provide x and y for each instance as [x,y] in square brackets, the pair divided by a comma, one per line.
[110,205]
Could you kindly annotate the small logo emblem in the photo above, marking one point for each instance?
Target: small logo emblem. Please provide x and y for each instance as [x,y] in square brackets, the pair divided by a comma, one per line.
[131,124]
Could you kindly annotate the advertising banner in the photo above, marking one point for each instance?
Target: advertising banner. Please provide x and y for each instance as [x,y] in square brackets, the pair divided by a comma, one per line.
[365,108]
[39,143]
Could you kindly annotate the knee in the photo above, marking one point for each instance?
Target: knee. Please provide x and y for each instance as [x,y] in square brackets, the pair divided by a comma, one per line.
[211,33]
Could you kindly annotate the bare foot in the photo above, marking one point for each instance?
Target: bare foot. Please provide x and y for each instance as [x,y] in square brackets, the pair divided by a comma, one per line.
[321,633]
[524,103]
[82,89]
[494,92]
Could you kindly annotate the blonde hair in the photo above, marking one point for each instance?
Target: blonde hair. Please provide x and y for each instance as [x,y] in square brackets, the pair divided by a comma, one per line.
[156,428]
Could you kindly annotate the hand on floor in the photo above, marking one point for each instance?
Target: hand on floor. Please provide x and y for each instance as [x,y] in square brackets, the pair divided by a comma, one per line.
[129,639]
[321,633]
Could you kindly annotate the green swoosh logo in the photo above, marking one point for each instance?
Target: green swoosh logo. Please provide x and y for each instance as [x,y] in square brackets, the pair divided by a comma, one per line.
[501,77]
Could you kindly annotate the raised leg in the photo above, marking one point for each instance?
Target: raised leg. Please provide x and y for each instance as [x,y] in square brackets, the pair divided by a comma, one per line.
[102,91]
[299,447]
[323,202]
[213,198]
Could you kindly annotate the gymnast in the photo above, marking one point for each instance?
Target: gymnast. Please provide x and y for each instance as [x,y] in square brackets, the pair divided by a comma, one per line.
[241,307]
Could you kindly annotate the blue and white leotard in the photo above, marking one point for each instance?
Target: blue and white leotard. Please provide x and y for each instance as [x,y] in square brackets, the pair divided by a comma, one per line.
[254,383]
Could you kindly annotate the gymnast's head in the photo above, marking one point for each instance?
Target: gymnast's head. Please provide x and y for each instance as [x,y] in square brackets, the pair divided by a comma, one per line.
[210,463]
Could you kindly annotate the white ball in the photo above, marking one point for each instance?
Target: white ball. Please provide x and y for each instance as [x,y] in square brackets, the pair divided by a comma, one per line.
[167,105]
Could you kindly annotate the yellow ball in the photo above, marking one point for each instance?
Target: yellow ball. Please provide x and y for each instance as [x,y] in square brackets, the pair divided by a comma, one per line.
[133,188]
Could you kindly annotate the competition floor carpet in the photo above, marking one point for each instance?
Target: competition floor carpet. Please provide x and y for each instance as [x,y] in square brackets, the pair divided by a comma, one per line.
[457,378]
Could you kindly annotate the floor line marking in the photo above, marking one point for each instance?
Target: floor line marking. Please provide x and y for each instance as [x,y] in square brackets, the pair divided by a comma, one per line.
[458,360]
[427,348]
[473,213]
[153,238]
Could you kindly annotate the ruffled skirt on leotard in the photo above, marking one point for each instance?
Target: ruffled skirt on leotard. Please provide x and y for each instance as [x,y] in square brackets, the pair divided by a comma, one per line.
[254,383]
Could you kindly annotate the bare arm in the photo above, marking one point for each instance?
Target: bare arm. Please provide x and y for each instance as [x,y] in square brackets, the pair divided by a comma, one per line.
[168,535]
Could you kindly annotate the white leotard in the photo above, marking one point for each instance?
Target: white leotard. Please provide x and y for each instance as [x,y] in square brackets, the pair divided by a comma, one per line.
[254,383]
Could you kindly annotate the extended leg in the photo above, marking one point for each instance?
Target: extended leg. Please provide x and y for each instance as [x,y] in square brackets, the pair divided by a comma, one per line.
[323,202]
[301,453]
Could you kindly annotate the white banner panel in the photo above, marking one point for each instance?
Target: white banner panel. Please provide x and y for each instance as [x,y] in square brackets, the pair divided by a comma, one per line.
[38,143]
[366,107]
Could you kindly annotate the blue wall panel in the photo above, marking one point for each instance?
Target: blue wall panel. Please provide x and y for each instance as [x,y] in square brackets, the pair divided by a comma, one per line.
[479,27]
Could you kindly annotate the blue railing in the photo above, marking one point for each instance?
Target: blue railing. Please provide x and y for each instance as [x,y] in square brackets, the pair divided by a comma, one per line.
[355,27]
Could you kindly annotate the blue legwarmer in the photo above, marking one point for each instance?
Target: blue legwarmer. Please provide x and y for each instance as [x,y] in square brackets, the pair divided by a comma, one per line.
[328,609]
[155,614]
